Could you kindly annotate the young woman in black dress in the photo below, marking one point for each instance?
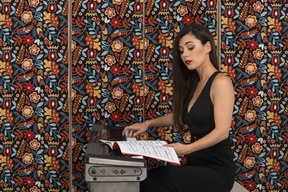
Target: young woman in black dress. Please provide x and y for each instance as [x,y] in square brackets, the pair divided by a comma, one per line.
[203,98]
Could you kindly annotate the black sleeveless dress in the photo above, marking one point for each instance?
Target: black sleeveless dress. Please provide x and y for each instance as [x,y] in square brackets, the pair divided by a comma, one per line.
[207,170]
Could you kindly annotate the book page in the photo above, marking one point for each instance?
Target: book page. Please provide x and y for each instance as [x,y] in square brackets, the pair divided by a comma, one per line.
[111,144]
[153,149]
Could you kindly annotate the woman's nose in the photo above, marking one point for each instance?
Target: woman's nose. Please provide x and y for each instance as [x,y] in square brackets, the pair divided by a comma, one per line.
[184,53]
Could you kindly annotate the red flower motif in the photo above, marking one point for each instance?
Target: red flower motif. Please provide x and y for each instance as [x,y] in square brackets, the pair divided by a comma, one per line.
[116,69]
[28,40]
[252,91]
[28,87]
[188,19]
[116,22]
[29,135]
[29,181]
[251,139]
[250,185]
[116,116]
[252,44]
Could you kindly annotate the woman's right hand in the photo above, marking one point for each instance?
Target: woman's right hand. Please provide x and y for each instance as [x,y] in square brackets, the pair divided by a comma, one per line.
[135,129]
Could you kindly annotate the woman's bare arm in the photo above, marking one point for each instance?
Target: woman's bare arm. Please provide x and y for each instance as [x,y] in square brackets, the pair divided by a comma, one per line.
[138,128]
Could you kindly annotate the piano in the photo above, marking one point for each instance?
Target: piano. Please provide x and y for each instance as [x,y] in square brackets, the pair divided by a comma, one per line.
[108,170]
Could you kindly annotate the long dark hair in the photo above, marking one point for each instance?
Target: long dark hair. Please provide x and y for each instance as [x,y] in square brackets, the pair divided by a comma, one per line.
[185,80]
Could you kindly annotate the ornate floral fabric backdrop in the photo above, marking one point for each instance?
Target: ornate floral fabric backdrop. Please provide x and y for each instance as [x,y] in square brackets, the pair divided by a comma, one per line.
[114,84]
[254,55]
[34,152]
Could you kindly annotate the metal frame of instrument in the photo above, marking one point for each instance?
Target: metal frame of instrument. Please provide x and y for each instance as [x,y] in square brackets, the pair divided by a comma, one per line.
[107,170]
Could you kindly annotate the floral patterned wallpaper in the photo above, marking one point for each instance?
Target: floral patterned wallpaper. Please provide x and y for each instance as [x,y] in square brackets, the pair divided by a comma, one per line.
[33,103]
[254,55]
[121,76]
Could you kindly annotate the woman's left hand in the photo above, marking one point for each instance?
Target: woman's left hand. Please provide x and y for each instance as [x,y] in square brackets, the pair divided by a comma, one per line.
[181,149]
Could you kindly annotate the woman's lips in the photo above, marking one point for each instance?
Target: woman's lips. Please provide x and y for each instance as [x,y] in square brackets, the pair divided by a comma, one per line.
[188,62]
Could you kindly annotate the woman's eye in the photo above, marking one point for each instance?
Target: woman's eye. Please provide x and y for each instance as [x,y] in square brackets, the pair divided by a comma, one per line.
[191,48]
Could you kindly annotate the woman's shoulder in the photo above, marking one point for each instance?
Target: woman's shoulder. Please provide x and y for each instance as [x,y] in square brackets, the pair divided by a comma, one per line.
[222,79]
[222,82]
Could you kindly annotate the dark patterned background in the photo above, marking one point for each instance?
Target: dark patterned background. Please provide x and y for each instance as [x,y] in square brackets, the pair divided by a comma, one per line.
[121,76]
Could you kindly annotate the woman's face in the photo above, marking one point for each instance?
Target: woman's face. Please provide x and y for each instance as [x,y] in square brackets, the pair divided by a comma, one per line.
[192,52]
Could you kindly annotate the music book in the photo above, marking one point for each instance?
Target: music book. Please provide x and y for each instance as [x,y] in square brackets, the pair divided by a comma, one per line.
[148,148]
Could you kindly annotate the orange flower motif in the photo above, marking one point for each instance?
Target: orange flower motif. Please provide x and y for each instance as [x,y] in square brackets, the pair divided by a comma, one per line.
[73,94]
[257,101]
[89,89]
[110,60]
[89,41]
[110,107]
[27,158]
[34,144]
[249,162]
[34,97]
[187,137]
[250,115]
[278,25]
[73,45]
[231,72]
[251,20]
[117,93]
[117,46]
[34,50]
[110,12]
[256,148]
[27,64]
[118,2]
[258,6]
[182,10]
[258,54]
[27,111]
[26,16]
[33,3]
[250,68]
[34,189]
[55,163]
[231,24]
[161,133]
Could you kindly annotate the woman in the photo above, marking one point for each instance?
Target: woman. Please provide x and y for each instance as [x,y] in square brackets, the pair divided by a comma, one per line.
[203,98]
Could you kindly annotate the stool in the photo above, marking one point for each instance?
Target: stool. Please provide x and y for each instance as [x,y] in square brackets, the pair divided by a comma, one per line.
[238,188]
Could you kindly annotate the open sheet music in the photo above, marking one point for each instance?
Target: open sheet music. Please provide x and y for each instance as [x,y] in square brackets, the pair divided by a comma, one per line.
[148,148]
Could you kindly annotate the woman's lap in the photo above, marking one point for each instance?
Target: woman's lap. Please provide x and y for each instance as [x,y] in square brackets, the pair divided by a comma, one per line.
[185,179]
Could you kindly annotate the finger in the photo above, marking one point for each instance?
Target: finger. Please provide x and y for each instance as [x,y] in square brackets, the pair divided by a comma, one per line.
[130,133]
[137,133]
[126,129]
[170,145]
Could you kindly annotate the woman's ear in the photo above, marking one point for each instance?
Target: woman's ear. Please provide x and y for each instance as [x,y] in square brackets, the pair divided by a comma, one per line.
[208,46]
